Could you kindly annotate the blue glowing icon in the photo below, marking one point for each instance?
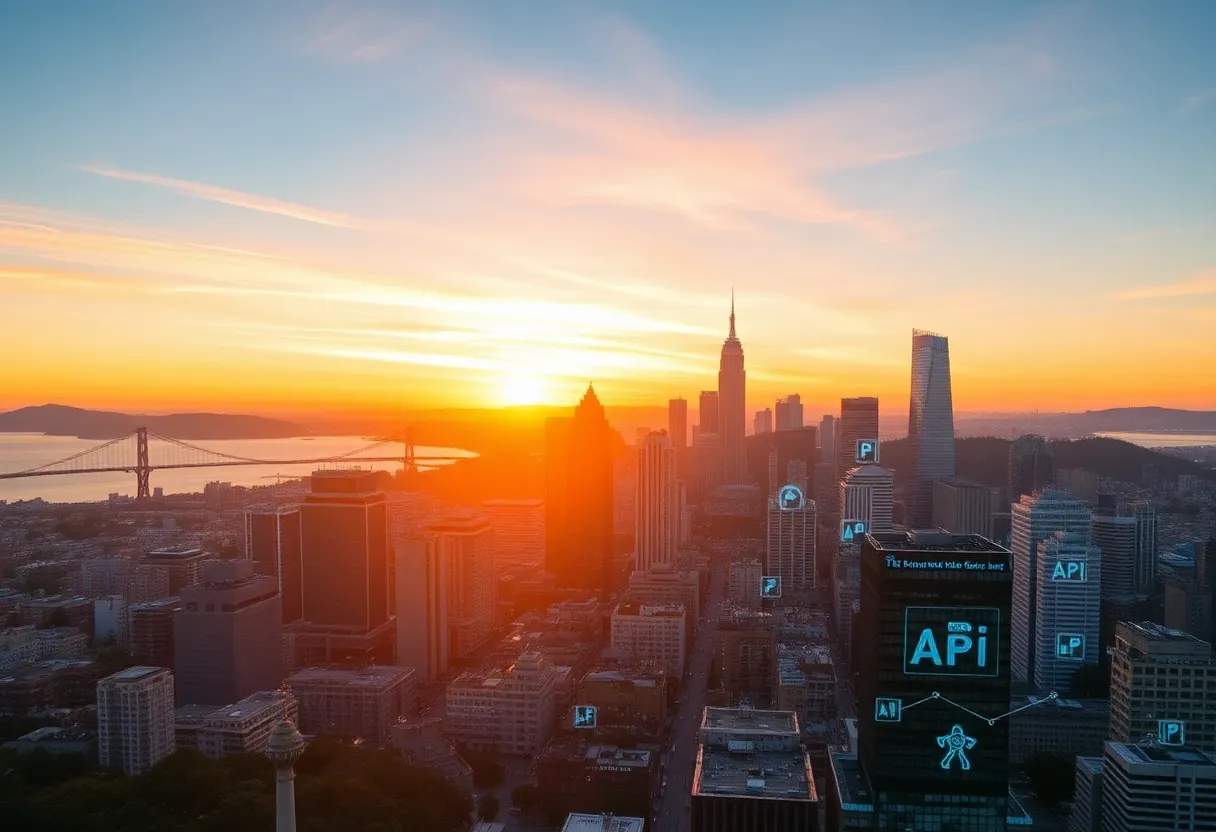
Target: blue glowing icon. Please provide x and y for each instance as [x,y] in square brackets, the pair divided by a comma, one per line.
[1070,646]
[952,641]
[584,716]
[1069,570]
[867,452]
[888,709]
[1171,732]
[851,531]
[770,586]
[790,498]
[957,744]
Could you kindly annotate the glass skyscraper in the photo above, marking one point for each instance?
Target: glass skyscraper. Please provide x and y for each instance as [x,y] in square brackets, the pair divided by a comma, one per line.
[930,423]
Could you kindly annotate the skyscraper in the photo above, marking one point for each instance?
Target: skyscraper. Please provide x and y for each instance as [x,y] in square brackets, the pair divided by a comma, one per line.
[707,412]
[272,542]
[791,530]
[1116,538]
[934,687]
[135,718]
[1034,519]
[789,412]
[677,434]
[1145,576]
[1032,466]
[1068,611]
[867,493]
[579,497]
[827,438]
[763,422]
[962,506]
[424,637]
[464,543]
[657,520]
[858,420]
[732,407]
[930,422]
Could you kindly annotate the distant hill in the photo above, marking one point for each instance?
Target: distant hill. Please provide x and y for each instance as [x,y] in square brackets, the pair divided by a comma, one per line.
[60,420]
[1146,419]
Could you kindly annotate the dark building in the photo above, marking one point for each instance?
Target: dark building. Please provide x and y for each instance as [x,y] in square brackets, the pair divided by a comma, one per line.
[799,443]
[930,424]
[345,571]
[578,774]
[55,683]
[1107,505]
[184,565]
[707,412]
[272,542]
[227,639]
[1032,466]
[934,680]
[858,420]
[151,626]
[579,498]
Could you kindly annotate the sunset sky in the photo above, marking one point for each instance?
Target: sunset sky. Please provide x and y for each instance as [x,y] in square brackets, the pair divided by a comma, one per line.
[273,207]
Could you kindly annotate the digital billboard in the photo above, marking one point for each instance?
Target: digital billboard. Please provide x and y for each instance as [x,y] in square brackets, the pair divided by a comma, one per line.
[952,641]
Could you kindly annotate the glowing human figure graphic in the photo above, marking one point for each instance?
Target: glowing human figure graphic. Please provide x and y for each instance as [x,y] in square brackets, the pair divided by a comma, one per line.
[957,744]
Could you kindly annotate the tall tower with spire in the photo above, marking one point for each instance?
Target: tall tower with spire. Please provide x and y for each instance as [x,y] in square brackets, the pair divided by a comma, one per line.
[732,407]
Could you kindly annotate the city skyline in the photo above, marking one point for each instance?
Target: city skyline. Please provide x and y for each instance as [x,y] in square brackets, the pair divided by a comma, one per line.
[425,206]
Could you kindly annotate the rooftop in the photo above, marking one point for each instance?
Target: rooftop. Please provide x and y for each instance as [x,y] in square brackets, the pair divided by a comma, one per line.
[53,734]
[177,552]
[602,823]
[1162,755]
[49,667]
[132,674]
[377,676]
[162,604]
[610,755]
[262,702]
[932,540]
[671,610]
[1158,632]
[750,721]
[776,774]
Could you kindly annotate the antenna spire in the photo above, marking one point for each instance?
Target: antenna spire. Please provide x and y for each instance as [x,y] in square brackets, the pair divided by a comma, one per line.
[732,312]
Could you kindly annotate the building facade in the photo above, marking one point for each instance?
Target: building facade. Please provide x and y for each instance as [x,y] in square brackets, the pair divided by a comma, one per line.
[1032,467]
[272,542]
[1068,610]
[135,718]
[363,703]
[510,710]
[930,423]
[858,422]
[519,530]
[464,544]
[732,408]
[963,506]
[867,493]
[652,633]
[789,412]
[657,528]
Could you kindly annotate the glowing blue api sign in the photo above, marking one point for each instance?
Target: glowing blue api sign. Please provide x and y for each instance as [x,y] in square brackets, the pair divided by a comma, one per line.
[852,531]
[585,716]
[1171,732]
[867,452]
[888,709]
[1069,570]
[952,641]
[1070,646]
[770,586]
[790,498]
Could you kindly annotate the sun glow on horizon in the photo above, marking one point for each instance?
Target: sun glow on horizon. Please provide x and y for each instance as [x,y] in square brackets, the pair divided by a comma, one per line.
[523,390]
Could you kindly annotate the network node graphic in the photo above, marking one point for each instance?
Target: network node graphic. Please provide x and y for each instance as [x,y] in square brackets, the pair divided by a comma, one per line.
[770,586]
[790,498]
[957,744]
[936,695]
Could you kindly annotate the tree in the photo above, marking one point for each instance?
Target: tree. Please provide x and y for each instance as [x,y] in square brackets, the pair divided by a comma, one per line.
[487,768]
[1052,777]
[487,807]
[526,797]
[1089,681]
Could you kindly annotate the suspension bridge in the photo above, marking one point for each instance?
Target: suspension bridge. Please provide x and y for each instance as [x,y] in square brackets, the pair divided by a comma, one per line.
[143,451]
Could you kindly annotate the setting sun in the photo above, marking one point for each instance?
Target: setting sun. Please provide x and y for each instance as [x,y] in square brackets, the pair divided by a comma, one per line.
[516,390]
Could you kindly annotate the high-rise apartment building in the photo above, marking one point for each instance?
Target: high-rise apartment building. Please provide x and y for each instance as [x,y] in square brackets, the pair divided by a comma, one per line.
[1145,576]
[930,423]
[743,587]
[657,528]
[344,569]
[1032,466]
[827,438]
[707,412]
[789,412]
[763,423]
[1116,538]
[1035,518]
[1161,675]
[867,493]
[1145,788]
[151,630]
[183,563]
[858,421]
[934,686]
[463,543]
[135,718]
[1068,610]
[272,542]
[424,637]
[732,407]
[518,528]
[579,494]
[791,525]
[227,637]
[962,506]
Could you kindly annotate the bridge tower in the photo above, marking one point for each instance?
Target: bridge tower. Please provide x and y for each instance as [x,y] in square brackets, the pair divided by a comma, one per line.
[143,471]
[408,464]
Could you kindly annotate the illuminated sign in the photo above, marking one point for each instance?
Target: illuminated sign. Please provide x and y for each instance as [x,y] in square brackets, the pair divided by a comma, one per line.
[952,641]
[1171,732]
[888,709]
[936,563]
[957,744]
[770,586]
[1069,570]
[790,498]
[584,716]
[852,530]
[1070,646]
[867,452]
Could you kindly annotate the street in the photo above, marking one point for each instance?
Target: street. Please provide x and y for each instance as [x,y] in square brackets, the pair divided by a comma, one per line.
[671,814]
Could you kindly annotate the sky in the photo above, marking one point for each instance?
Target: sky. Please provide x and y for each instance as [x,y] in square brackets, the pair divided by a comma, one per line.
[289,206]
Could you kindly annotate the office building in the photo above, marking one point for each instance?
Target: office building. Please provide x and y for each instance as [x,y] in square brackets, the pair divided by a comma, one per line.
[827,439]
[657,527]
[1078,482]
[272,542]
[1068,610]
[789,412]
[1035,518]
[184,565]
[135,718]
[732,408]
[665,584]
[1061,727]
[930,423]
[1145,575]
[677,425]
[240,728]
[355,703]
[763,422]
[1158,673]
[511,709]
[934,618]
[858,421]
[463,543]
[790,537]
[227,636]
[867,493]
[626,698]
[608,785]
[706,465]
[344,570]
[746,652]
[151,631]
[518,528]
[1145,788]
[652,634]
[962,506]
[579,495]
[752,773]
[1116,537]
[743,585]
[624,495]
[707,412]
[1032,466]
[424,636]
[579,822]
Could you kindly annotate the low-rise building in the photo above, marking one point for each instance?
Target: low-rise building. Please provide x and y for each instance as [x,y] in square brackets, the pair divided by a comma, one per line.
[363,703]
[743,586]
[806,682]
[54,683]
[421,740]
[579,773]
[664,584]
[602,823]
[510,709]
[626,697]
[652,633]
[241,728]
[746,643]
[56,741]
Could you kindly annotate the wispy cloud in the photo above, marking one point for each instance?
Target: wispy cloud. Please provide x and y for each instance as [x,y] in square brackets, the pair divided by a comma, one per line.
[1202,284]
[362,36]
[1199,99]
[228,196]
